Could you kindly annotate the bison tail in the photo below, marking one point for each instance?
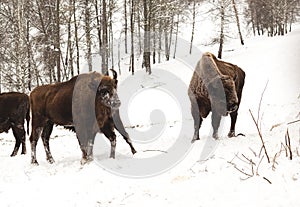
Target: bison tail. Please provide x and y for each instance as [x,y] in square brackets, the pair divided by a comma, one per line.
[28,119]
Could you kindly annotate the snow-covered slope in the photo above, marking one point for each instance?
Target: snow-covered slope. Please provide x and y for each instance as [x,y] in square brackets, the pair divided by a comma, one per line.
[207,173]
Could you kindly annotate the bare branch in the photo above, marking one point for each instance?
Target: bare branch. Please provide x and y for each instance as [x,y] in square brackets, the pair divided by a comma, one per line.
[261,98]
[260,135]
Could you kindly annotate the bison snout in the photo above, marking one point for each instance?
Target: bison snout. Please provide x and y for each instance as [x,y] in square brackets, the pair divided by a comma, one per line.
[116,104]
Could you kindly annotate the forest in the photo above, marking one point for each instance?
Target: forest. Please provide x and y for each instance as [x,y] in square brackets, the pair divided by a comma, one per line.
[47,41]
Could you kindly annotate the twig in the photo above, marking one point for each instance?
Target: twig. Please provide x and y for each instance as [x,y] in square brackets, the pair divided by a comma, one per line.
[260,135]
[288,143]
[288,123]
[234,165]
[267,180]
[274,161]
[259,165]
[253,151]
[292,122]
[250,160]
[261,97]
[242,171]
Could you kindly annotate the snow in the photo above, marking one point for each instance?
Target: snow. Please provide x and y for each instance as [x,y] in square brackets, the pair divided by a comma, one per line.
[168,170]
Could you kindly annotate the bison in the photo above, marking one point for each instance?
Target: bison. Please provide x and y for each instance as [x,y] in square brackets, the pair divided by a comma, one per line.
[215,86]
[14,109]
[87,103]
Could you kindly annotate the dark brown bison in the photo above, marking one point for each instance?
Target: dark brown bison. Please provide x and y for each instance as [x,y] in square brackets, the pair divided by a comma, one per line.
[215,86]
[87,103]
[14,109]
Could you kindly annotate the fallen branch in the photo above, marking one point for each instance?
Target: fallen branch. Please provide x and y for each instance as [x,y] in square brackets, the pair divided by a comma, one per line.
[150,150]
[260,135]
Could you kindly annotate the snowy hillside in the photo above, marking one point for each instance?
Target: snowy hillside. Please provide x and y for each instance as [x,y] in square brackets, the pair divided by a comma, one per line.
[168,170]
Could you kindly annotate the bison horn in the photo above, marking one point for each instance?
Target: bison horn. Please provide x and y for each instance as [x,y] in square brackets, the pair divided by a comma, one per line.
[115,75]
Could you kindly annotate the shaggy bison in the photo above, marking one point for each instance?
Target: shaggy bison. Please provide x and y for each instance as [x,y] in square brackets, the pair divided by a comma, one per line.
[14,109]
[215,86]
[87,103]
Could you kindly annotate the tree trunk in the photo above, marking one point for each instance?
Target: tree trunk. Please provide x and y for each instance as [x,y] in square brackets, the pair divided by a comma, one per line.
[76,38]
[132,37]
[146,55]
[222,30]
[125,26]
[176,37]
[111,33]
[193,25]
[104,52]
[98,22]
[87,17]
[237,21]
[159,40]
[57,42]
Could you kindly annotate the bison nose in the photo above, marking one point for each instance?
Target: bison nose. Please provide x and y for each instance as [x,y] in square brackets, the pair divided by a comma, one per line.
[233,107]
[116,104]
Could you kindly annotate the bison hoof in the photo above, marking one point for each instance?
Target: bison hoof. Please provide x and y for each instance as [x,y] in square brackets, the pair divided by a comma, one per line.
[195,139]
[133,151]
[34,162]
[231,134]
[86,161]
[215,136]
[50,160]
[13,154]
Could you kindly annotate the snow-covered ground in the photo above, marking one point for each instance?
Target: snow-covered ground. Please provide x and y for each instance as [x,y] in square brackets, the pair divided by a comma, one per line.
[206,173]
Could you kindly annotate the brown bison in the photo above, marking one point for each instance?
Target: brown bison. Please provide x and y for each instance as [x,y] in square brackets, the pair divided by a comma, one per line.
[215,86]
[14,109]
[88,103]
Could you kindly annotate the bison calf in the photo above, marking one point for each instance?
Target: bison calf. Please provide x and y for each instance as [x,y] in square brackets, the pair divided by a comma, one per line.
[87,103]
[14,109]
[215,86]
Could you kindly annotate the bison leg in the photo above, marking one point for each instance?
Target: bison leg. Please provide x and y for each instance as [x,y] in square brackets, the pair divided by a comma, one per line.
[108,131]
[233,117]
[197,122]
[87,154]
[47,130]
[86,143]
[19,134]
[215,121]
[34,137]
[121,129]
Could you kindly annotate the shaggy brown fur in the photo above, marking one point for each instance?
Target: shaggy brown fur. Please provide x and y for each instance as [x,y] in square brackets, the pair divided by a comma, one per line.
[215,86]
[14,109]
[87,103]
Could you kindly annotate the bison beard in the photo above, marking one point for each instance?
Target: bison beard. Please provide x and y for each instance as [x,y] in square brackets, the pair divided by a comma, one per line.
[215,86]
[87,103]
[14,109]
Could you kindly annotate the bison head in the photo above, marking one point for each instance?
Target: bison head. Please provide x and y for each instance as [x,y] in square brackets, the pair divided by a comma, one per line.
[223,95]
[106,92]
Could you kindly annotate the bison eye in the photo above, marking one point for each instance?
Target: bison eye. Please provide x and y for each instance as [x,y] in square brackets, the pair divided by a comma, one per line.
[104,92]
